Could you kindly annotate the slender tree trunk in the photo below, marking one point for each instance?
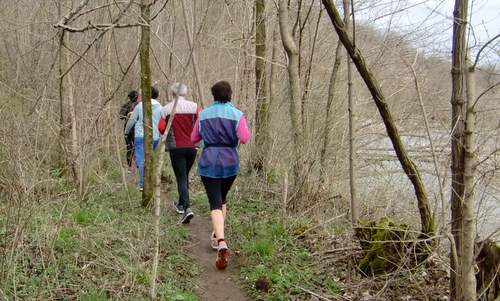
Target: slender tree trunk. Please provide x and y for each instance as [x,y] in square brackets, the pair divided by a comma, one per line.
[69,123]
[294,88]
[431,143]
[157,207]
[194,59]
[350,108]
[63,130]
[147,194]
[457,125]
[409,167]
[262,136]
[468,226]
[308,77]
[332,88]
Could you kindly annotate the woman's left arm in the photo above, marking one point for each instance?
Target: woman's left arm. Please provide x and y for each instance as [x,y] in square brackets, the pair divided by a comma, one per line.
[243,132]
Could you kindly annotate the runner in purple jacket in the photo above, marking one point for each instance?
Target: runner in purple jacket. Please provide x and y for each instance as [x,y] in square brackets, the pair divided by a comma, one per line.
[222,127]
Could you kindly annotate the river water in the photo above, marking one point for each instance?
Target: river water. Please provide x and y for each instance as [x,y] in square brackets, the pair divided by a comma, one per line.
[380,173]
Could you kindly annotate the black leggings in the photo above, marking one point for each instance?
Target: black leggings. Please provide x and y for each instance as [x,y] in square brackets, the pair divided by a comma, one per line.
[129,141]
[217,190]
[182,160]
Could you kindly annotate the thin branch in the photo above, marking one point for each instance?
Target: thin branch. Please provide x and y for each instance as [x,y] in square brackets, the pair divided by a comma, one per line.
[160,10]
[101,34]
[485,92]
[72,13]
[98,27]
[488,157]
[481,50]
[88,11]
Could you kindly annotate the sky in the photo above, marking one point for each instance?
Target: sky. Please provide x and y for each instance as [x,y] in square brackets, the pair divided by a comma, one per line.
[429,23]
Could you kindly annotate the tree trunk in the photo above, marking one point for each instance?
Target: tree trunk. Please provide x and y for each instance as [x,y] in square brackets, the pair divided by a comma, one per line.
[350,108]
[262,136]
[157,207]
[468,225]
[409,167]
[294,89]
[193,57]
[69,123]
[147,193]
[327,128]
[457,126]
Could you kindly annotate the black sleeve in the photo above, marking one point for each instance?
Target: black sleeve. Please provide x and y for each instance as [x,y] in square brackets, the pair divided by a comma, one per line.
[125,109]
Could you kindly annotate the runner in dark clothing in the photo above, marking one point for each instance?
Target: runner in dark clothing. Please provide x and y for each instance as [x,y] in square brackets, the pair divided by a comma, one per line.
[182,151]
[125,113]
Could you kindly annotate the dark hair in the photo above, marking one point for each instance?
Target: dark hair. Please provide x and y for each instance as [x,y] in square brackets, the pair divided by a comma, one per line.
[222,91]
[132,95]
[154,93]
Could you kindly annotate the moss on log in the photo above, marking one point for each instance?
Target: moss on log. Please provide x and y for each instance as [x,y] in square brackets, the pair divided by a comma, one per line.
[388,246]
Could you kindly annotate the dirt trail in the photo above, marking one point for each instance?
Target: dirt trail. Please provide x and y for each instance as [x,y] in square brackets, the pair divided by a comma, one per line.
[214,285]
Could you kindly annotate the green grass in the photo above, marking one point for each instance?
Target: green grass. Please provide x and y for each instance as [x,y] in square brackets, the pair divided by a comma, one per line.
[94,295]
[270,251]
[98,248]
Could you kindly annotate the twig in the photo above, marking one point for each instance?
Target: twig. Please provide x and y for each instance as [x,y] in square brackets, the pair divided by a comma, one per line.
[337,250]
[319,225]
[318,295]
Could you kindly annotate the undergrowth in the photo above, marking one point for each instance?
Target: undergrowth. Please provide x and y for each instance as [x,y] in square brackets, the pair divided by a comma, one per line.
[98,248]
[274,263]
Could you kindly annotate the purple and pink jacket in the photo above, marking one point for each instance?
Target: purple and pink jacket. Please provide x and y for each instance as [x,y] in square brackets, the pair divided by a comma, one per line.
[222,127]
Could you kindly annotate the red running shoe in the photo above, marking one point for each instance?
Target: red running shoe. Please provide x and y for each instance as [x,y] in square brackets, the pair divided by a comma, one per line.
[222,255]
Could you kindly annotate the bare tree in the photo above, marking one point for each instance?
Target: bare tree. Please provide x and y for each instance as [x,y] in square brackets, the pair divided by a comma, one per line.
[147,194]
[294,89]
[457,126]
[68,114]
[192,56]
[411,170]
[262,135]
[350,107]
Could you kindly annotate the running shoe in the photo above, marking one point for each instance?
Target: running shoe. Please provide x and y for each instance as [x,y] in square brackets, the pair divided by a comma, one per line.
[222,255]
[188,215]
[178,208]
[213,242]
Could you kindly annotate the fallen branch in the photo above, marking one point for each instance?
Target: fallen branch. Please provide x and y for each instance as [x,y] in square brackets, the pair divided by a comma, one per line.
[319,296]
[319,225]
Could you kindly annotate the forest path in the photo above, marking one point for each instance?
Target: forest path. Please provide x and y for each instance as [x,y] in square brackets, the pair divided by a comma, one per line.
[213,284]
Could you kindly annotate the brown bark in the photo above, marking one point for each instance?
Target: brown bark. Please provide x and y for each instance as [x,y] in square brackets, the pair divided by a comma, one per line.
[294,87]
[262,136]
[193,57]
[67,112]
[409,167]
[457,125]
[350,108]
[147,194]
[332,88]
